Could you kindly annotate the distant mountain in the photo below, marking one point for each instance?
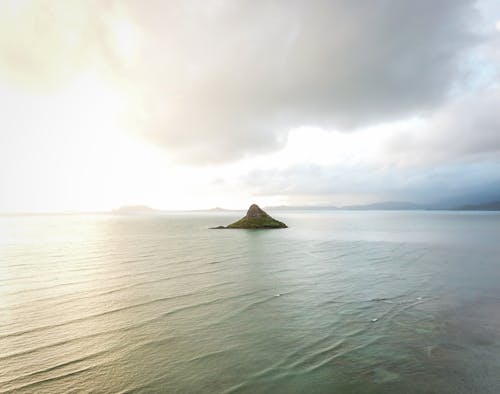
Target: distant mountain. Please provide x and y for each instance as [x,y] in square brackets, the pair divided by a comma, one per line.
[487,206]
[483,195]
[301,208]
[135,209]
[467,205]
[219,209]
[475,202]
[387,206]
[384,206]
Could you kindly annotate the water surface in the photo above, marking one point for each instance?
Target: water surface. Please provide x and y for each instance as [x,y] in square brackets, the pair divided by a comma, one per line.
[354,302]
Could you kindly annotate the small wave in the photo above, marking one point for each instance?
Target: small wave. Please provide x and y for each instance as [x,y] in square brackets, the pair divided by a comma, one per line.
[318,354]
[105,313]
[347,351]
[47,380]
[251,305]
[209,355]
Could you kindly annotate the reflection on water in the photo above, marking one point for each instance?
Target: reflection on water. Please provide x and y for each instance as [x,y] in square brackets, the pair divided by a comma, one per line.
[364,302]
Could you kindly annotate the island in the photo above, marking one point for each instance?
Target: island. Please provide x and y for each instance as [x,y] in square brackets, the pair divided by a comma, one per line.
[255,218]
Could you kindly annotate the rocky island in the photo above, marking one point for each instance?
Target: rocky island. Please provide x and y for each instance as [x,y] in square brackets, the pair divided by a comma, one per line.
[255,218]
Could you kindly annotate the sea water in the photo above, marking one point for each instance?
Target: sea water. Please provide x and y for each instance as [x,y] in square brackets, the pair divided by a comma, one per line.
[340,302]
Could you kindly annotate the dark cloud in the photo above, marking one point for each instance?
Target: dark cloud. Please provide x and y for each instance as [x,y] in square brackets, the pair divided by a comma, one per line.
[465,129]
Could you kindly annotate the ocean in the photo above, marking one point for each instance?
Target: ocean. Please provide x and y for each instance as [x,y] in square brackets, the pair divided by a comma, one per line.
[340,302]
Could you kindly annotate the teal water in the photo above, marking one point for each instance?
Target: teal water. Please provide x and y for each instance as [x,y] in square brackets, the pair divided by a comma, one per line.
[340,302]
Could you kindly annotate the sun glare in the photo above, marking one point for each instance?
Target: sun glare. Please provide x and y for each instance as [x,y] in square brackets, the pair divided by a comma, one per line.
[125,39]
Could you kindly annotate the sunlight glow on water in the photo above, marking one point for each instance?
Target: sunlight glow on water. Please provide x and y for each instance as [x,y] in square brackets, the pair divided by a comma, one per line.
[365,302]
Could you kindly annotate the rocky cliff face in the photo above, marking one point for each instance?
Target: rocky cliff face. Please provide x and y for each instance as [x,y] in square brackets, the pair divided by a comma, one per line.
[256,218]
[255,212]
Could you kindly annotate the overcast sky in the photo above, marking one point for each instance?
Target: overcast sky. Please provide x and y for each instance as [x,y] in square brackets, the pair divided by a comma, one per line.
[195,104]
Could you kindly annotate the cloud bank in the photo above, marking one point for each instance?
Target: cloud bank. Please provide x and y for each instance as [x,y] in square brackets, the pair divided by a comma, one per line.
[214,81]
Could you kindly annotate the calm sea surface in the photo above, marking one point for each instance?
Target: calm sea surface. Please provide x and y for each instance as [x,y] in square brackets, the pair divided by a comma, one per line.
[341,302]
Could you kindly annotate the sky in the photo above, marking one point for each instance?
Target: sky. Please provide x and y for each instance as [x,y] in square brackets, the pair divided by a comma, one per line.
[196,104]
